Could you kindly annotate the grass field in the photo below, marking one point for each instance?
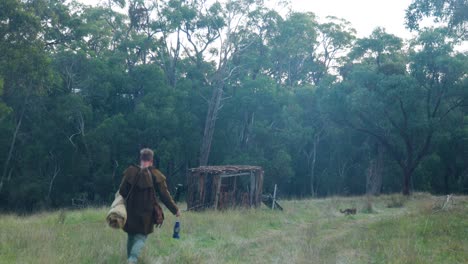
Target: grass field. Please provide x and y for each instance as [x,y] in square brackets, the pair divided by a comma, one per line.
[386,229]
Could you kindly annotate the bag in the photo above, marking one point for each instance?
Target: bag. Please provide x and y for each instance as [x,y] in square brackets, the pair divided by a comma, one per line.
[117,215]
[158,215]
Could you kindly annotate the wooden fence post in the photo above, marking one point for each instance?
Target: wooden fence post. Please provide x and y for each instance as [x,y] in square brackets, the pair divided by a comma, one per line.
[274,198]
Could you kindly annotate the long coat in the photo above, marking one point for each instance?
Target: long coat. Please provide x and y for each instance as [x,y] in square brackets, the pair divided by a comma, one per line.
[141,199]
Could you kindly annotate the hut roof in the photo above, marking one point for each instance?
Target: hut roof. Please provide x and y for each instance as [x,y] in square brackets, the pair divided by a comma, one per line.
[227,169]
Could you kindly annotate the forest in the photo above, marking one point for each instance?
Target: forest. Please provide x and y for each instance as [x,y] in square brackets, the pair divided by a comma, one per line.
[323,112]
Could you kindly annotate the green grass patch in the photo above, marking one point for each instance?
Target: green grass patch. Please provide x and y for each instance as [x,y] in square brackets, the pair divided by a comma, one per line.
[416,238]
[307,231]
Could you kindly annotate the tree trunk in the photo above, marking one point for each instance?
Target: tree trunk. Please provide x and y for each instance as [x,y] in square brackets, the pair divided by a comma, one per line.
[210,122]
[312,170]
[448,172]
[406,181]
[246,129]
[312,166]
[52,180]
[374,172]
[12,147]
[342,170]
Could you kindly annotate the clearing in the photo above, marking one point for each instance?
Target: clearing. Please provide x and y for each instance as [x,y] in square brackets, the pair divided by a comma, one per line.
[386,229]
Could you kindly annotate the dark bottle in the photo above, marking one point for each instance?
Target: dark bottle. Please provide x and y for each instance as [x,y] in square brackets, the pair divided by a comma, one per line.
[176,229]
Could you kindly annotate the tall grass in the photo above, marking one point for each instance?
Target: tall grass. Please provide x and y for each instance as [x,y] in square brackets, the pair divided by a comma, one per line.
[307,231]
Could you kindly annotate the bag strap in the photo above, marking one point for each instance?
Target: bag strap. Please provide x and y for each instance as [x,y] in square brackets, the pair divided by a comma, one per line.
[153,178]
[135,183]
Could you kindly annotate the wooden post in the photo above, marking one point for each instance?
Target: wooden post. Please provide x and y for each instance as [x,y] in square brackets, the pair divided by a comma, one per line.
[233,198]
[252,187]
[274,198]
[218,190]
[260,187]
[201,189]
[188,196]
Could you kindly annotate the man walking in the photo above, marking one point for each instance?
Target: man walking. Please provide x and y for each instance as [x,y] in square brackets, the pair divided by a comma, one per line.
[139,186]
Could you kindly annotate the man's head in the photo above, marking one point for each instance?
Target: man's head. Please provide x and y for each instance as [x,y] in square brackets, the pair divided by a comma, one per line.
[146,156]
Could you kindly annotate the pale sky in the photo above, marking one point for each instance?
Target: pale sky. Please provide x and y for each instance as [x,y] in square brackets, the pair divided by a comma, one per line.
[364,15]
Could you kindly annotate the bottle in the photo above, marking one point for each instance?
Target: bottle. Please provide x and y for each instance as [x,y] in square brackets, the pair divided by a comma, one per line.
[176,229]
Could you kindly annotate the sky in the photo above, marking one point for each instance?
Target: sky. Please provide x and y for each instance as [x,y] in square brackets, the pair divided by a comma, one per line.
[364,15]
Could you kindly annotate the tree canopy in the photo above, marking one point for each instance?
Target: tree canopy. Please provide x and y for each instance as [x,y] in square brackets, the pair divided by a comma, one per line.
[83,88]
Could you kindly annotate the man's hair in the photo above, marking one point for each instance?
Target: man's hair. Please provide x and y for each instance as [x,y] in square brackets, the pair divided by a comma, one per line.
[146,154]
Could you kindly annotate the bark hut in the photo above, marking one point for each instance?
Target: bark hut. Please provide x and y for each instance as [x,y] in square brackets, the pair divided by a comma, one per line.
[221,187]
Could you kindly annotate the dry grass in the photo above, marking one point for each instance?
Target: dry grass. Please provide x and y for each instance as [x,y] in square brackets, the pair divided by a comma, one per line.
[308,231]
[396,201]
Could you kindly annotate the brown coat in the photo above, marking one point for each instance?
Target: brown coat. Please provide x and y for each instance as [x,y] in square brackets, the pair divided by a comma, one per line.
[140,202]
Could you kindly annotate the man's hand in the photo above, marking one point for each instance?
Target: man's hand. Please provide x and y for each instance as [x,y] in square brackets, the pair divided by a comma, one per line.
[178,213]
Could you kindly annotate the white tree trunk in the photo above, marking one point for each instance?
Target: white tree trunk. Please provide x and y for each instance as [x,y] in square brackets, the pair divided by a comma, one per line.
[210,122]
[10,152]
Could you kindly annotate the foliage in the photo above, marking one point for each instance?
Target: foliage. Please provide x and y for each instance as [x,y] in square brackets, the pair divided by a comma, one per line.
[453,15]
[82,88]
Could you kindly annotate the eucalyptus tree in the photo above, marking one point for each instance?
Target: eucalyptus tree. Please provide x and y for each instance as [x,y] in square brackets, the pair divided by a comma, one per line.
[402,109]
[443,74]
[24,69]
[304,57]
[168,21]
[335,40]
[251,90]
[453,14]
[212,34]
[293,50]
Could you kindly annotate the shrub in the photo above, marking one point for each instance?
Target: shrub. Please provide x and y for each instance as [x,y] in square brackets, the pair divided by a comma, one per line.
[396,201]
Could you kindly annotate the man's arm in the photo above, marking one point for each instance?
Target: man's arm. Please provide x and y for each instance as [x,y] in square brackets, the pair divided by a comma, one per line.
[164,194]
